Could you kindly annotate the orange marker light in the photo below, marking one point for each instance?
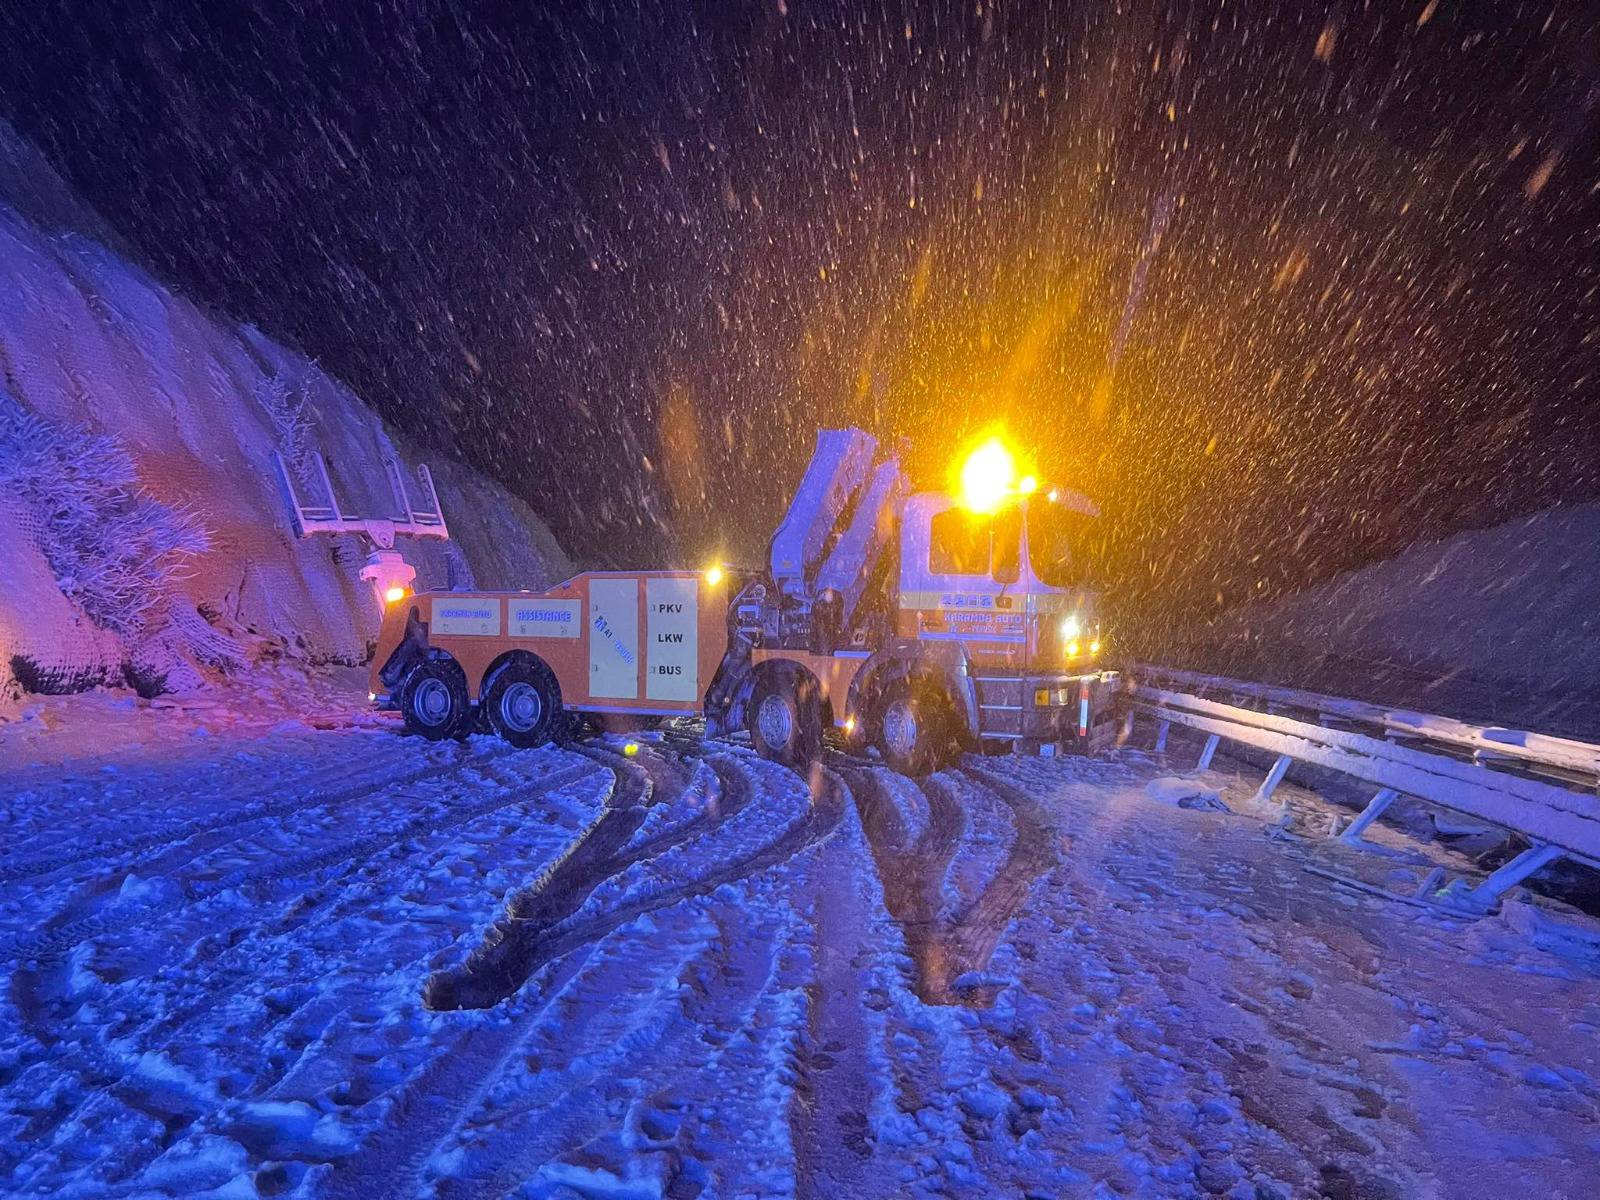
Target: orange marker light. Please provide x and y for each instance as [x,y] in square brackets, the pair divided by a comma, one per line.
[394,595]
[713,575]
[630,748]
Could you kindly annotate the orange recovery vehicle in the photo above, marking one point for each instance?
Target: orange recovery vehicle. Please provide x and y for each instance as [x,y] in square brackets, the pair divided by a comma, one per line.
[629,643]
[920,624]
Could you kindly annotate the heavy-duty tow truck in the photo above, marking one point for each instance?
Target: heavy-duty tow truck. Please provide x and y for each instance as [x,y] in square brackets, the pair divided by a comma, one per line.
[919,624]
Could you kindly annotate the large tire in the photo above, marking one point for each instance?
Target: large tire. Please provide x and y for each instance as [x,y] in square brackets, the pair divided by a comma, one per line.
[433,699]
[912,727]
[786,718]
[522,701]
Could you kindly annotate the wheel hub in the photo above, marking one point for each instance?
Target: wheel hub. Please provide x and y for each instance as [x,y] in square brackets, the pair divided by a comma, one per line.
[900,728]
[520,707]
[774,721]
[432,701]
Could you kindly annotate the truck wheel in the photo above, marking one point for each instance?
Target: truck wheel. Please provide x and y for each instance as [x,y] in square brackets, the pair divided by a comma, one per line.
[433,699]
[786,719]
[912,733]
[523,702]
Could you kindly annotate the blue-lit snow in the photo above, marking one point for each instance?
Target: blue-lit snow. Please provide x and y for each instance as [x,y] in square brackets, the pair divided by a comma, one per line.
[216,948]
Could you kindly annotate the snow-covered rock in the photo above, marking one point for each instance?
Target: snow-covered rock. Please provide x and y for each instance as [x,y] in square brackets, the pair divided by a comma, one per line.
[89,340]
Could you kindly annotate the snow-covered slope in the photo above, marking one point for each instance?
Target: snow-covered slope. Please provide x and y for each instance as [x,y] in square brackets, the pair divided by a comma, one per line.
[1510,607]
[89,340]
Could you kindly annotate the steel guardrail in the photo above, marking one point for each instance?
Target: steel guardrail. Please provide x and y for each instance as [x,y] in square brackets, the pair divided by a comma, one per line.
[1486,742]
[1557,821]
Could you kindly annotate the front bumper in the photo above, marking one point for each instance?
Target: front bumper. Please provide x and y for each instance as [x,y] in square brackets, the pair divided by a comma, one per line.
[1071,710]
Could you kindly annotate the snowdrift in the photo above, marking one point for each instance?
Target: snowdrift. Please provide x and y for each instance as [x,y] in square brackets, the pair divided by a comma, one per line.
[91,343]
[1510,607]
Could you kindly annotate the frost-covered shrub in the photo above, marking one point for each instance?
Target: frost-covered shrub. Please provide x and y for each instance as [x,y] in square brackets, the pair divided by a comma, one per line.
[114,550]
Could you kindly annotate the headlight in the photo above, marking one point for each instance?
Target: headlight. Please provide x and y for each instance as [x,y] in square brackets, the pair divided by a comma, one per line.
[1071,627]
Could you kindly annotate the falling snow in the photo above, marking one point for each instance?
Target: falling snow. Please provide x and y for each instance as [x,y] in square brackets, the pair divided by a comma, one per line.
[1283,286]
[1305,296]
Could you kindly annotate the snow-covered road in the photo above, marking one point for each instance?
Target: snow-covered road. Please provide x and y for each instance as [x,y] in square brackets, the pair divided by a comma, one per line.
[337,962]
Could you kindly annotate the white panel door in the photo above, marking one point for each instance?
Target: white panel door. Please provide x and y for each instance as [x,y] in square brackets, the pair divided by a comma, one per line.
[614,638]
[672,622]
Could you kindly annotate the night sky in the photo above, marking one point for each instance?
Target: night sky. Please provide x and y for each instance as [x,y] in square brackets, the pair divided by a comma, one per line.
[1285,286]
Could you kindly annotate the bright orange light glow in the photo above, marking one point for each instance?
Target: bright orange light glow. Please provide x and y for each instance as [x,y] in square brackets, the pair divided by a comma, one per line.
[849,724]
[394,595]
[987,476]
[1073,648]
[713,575]
[1028,485]
[630,748]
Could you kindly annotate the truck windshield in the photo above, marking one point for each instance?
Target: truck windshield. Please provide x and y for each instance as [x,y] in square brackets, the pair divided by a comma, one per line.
[1059,544]
[965,543]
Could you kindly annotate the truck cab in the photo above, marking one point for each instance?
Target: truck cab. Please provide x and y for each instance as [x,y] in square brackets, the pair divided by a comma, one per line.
[1002,583]
[922,624]
[1007,587]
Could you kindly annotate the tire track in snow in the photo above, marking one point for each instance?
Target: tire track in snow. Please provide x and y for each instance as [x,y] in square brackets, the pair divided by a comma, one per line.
[367,886]
[743,992]
[431,1102]
[346,784]
[629,1024]
[537,928]
[433,1106]
[1036,848]
[914,871]
[847,1090]
[63,932]
[107,1071]
[55,945]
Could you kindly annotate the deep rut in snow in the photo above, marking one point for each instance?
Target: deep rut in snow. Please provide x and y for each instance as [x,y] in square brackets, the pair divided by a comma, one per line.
[722,843]
[950,940]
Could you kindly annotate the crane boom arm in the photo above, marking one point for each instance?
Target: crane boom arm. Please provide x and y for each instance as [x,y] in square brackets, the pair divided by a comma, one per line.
[837,470]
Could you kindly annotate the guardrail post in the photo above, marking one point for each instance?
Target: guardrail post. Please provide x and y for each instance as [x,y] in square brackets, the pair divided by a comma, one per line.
[1529,862]
[1274,778]
[1161,737]
[1374,809]
[1206,752]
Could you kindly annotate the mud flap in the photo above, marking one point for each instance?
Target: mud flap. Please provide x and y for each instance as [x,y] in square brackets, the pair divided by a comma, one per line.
[730,690]
[413,649]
